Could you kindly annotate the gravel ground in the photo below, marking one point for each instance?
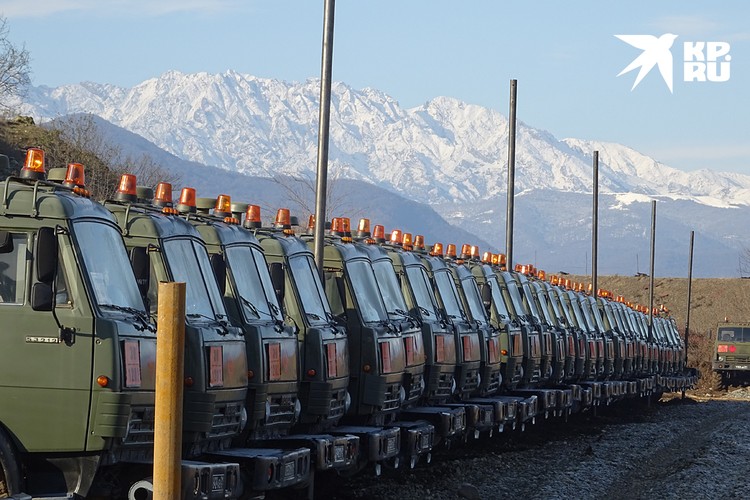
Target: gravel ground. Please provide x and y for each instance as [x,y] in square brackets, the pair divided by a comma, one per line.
[675,448]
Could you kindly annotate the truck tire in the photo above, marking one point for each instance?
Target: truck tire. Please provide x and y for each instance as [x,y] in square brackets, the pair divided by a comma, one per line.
[10,472]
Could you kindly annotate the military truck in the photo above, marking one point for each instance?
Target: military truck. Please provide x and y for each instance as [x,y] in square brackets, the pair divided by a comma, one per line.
[385,348]
[469,354]
[78,360]
[511,342]
[216,369]
[481,415]
[323,344]
[273,401]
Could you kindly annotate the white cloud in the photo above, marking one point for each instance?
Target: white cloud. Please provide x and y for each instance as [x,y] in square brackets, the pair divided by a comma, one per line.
[686,25]
[41,8]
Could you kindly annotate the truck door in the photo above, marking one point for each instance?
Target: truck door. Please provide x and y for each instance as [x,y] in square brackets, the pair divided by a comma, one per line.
[45,379]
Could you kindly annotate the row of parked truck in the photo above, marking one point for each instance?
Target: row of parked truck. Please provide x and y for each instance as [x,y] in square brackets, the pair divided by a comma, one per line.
[396,350]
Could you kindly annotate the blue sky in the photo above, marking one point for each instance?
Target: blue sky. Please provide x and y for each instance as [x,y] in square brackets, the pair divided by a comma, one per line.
[563,54]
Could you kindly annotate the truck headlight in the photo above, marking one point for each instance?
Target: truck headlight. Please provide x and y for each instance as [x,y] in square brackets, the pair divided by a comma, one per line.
[347,401]
[297,409]
[243,418]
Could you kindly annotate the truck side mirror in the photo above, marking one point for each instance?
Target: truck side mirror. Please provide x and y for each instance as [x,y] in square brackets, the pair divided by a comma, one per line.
[45,255]
[277,278]
[486,295]
[141,265]
[6,242]
[41,297]
[219,267]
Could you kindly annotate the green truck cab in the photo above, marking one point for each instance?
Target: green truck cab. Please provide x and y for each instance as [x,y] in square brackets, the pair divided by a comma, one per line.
[531,373]
[323,344]
[80,350]
[251,303]
[215,360]
[510,339]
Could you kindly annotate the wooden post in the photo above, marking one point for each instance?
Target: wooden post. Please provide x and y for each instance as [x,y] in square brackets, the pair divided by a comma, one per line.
[170,362]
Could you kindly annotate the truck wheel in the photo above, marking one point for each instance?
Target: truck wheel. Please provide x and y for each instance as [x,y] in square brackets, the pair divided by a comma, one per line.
[10,473]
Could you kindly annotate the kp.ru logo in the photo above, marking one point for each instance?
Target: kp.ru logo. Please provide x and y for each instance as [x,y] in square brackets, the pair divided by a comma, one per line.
[702,61]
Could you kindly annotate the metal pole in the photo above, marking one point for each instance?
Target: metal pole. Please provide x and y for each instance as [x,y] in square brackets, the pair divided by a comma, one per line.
[323,132]
[511,175]
[170,369]
[595,227]
[689,295]
[651,279]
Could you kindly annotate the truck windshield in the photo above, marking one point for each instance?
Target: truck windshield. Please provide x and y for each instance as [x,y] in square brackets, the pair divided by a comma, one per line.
[107,266]
[366,291]
[447,290]
[423,294]
[497,298]
[476,308]
[188,262]
[572,303]
[309,290]
[528,299]
[515,295]
[389,287]
[544,308]
[611,318]
[595,313]
[250,274]
[564,314]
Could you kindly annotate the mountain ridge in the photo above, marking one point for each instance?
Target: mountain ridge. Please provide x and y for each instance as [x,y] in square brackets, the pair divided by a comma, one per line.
[447,154]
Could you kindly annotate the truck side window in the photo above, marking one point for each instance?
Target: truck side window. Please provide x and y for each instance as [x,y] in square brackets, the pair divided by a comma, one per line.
[152,297]
[62,297]
[13,271]
[332,292]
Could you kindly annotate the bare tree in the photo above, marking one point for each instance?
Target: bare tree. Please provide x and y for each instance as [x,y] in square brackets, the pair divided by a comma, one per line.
[14,69]
[105,162]
[300,191]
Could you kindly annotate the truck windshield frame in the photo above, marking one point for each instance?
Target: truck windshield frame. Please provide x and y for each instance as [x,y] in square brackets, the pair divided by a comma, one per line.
[188,262]
[249,272]
[106,266]
[448,294]
[543,304]
[497,298]
[572,302]
[595,314]
[515,296]
[528,298]
[393,297]
[309,290]
[423,293]
[733,334]
[366,291]
[471,291]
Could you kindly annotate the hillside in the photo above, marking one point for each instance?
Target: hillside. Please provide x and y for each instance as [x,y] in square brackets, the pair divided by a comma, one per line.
[712,301]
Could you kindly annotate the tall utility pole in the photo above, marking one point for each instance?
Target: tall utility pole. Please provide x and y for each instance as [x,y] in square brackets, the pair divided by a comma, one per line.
[595,227]
[689,295]
[511,175]
[323,132]
[651,279]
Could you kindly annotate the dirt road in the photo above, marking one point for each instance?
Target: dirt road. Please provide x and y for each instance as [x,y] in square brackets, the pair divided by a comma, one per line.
[671,449]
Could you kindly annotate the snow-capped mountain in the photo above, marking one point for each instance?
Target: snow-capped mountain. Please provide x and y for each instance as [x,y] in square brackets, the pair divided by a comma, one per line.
[445,153]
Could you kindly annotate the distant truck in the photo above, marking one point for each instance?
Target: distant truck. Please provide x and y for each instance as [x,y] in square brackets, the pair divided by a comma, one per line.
[732,353]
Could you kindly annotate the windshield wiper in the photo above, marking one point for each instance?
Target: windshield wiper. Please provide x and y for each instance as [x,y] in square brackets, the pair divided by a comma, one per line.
[313,316]
[424,311]
[400,312]
[142,316]
[251,306]
[222,323]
